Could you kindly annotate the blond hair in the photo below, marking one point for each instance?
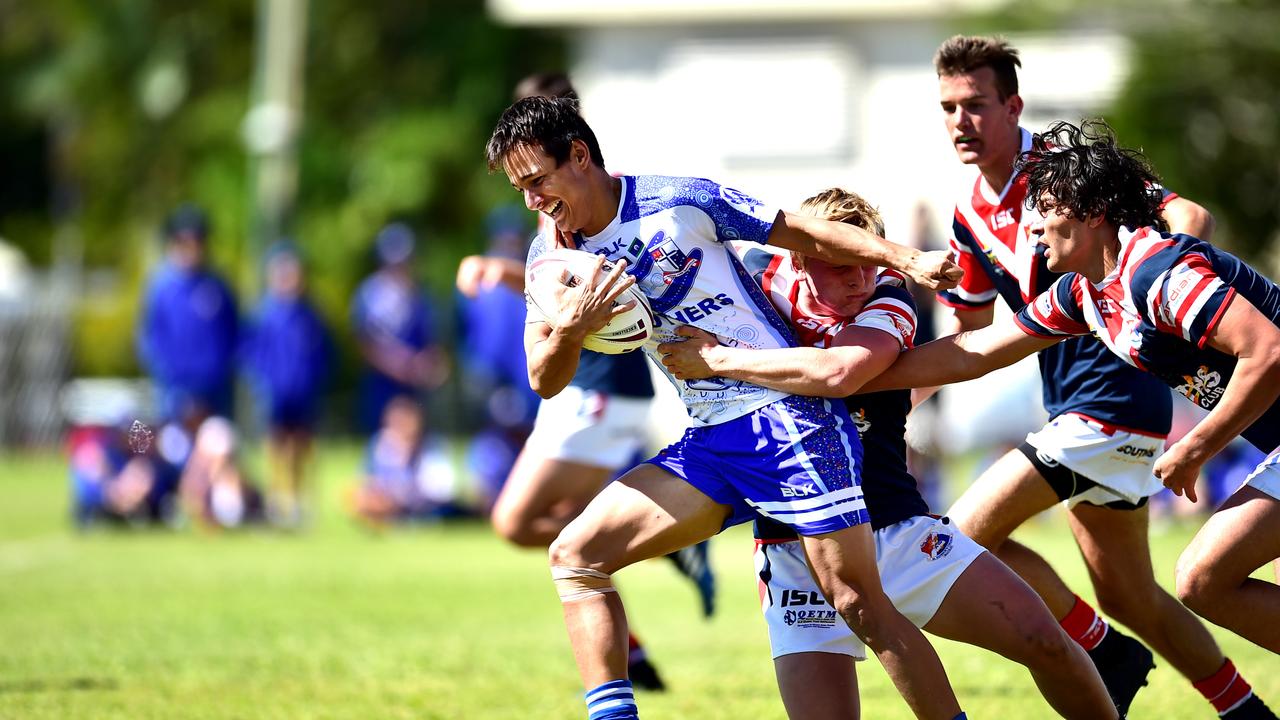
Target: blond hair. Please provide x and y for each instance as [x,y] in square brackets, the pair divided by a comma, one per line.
[840,205]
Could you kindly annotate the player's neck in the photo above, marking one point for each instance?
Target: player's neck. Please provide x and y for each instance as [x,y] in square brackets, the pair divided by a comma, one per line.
[604,207]
[996,173]
[1107,260]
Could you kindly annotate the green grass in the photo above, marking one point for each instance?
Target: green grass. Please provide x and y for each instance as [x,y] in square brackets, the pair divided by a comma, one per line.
[437,622]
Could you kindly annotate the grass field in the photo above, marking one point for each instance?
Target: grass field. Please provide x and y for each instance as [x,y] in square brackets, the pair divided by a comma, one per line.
[436,622]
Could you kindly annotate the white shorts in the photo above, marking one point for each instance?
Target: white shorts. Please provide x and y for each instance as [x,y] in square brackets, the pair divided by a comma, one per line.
[589,427]
[1266,477]
[919,560]
[1118,461]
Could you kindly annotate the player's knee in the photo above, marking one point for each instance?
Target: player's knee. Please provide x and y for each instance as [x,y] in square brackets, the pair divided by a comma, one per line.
[1046,645]
[863,616]
[514,528]
[1194,584]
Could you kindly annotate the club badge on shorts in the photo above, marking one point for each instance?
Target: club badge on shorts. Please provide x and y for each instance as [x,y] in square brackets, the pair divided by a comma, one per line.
[936,545]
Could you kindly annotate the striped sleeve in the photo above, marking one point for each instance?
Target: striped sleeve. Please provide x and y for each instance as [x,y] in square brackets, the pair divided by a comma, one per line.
[890,310]
[1188,299]
[1056,312]
[975,291]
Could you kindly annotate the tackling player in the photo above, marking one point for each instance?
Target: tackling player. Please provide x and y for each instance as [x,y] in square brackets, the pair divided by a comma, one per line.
[1179,308]
[751,449]
[941,580]
[1108,421]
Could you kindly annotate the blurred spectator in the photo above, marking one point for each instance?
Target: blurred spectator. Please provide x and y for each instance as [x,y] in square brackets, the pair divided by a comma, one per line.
[289,355]
[394,329]
[187,335]
[408,474]
[497,379]
[112,483]
[214,489]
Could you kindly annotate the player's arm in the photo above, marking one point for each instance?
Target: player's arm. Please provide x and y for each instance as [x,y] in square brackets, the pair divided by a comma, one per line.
[857,355]
[957,321]
[1247,334]
[844,244]
[477,272]
[552,347]
[1188,218]
[961,357]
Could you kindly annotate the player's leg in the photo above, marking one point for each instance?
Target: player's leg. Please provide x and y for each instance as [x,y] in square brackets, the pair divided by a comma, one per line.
[646,513]
[991,607]
[844,564]
[813,649]
[542,495]
[818,686]
[580,439]
[1115,548]
[1006,495]
[1213,572]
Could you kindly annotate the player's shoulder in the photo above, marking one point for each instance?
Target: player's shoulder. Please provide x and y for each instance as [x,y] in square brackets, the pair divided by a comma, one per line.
[540,245]
[892,284]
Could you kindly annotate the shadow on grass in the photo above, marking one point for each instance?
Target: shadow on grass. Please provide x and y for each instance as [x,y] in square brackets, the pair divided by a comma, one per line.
[39,685]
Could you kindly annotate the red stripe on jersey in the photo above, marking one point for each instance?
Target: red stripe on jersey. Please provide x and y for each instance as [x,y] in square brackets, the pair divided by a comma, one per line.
[766,279]
[1217,317]
[1190,301]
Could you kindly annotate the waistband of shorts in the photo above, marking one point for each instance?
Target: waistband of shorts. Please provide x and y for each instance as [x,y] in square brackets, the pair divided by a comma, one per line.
[1112,428]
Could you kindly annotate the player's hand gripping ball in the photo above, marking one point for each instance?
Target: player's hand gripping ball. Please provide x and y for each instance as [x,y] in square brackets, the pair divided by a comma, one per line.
[563,267]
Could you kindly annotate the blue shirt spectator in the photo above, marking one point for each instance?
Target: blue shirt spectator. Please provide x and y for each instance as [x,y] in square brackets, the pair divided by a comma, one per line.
[395,329]
[188,329]
[288,348]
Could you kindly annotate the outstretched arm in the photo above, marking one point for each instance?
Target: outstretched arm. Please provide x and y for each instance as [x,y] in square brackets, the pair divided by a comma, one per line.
[858,354]
[957,358]
[1246,333]
[845,244]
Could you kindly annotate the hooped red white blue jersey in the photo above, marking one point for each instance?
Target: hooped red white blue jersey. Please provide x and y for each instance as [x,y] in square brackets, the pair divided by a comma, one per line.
[1156,311]
[991,241]
[674,233]
[889,488]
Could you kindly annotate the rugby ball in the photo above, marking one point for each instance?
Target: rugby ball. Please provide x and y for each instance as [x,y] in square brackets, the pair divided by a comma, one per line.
[565,267]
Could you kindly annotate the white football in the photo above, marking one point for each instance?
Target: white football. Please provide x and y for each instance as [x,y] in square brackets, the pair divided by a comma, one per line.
[564,267]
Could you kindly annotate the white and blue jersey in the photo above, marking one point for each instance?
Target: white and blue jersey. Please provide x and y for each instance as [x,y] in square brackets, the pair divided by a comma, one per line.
[754,450]
[989,237]
[1156,310]
[673,231]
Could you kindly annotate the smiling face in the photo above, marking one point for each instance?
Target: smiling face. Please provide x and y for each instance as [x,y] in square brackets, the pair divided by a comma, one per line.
[561,192]
[842,289]
[982,128]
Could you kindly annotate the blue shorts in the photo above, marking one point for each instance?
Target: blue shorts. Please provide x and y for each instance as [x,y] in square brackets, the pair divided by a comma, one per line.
[796,460]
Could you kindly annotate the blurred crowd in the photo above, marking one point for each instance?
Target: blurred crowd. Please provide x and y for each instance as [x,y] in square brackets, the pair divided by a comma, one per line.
[195,345]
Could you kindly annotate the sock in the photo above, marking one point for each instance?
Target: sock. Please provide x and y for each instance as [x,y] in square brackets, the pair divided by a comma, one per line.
[1224,689]
[613,700]
[635,651]
[1084,625]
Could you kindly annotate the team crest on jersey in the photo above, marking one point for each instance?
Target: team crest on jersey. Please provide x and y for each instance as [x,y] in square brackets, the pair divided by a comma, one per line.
[1204,388]
[937,545]
[903,327]
[676,269]
[860,421]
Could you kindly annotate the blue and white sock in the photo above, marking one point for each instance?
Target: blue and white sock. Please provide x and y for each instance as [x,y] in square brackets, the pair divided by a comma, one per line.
[614,700]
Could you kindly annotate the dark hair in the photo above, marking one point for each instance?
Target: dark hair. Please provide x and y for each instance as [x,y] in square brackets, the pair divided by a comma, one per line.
[964,54]
[1086,174]
[554,84]
[189,219]
[550,123]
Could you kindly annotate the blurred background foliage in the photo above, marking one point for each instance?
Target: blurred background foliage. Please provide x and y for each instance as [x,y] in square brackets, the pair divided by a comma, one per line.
[115,112]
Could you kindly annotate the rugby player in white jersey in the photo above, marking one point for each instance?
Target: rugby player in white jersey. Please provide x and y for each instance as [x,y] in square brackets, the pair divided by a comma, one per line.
[1174,306]
[586,435]
[751,449]
[1108,421]
[852,322]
